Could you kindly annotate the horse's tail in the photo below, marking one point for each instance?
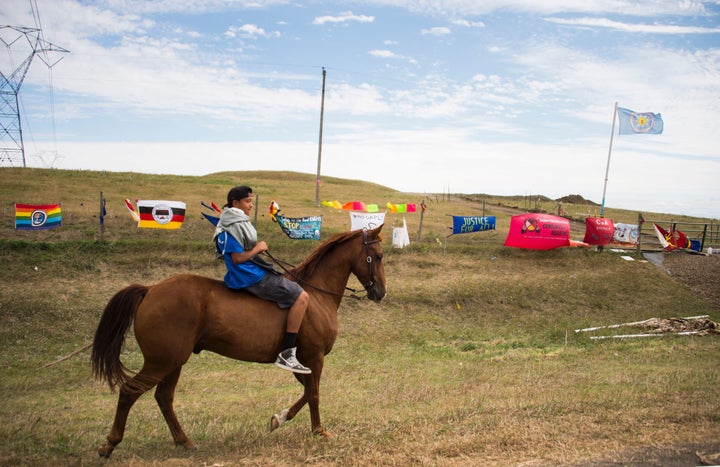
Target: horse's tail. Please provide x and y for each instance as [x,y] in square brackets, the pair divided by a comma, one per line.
[110,335]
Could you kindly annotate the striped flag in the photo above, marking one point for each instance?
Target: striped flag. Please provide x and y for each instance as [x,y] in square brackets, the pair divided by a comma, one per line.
[37,216]
[157,214]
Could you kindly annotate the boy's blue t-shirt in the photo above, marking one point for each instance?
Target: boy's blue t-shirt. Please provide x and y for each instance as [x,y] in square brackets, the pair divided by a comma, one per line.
[239,275]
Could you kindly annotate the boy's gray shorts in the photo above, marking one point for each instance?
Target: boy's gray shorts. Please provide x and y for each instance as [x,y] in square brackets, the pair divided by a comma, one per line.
[276,288]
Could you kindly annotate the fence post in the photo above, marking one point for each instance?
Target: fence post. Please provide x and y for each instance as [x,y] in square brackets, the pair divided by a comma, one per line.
[422,214]
[102,216]
[639,239]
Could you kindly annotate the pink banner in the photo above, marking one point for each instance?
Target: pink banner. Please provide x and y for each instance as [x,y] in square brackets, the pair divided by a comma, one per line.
[538,232]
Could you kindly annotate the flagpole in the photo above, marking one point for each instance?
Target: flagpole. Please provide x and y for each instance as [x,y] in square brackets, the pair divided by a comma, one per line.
[607,168]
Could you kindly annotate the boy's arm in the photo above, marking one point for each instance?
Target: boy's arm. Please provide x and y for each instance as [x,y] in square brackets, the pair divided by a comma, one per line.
[245,255]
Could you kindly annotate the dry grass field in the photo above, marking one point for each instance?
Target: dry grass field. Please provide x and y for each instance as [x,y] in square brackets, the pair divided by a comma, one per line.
[472,359]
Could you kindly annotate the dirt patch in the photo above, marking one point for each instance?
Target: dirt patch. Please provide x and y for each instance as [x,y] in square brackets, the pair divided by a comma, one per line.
[701,273]
[691,455]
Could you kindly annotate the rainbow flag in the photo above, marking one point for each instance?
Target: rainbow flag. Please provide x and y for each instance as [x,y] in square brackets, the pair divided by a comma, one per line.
[37,216]
[155,214]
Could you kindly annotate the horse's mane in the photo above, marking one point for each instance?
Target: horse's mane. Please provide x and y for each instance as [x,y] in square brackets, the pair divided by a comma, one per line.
[307,267]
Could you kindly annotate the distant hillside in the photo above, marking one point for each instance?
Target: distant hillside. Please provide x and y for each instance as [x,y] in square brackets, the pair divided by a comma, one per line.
[576,199]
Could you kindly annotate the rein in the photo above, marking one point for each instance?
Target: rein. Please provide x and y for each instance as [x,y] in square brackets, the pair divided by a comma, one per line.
[353,293]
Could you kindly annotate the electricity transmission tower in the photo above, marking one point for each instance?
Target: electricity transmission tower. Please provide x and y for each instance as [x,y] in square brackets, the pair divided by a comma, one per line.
[28,42]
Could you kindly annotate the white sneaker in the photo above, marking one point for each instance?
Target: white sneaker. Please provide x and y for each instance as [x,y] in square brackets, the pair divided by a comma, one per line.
[287,361]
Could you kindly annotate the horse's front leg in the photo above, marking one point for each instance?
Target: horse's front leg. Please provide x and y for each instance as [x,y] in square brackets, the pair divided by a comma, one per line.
[279,419]
[312,396]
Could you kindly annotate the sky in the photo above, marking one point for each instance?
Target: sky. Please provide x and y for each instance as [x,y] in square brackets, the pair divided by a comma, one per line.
[502,97]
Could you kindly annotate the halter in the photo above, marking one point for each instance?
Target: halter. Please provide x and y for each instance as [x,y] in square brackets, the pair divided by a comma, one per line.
[368,259]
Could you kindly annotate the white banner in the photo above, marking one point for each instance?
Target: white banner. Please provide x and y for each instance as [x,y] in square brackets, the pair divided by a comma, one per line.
[366,220]
[626,233]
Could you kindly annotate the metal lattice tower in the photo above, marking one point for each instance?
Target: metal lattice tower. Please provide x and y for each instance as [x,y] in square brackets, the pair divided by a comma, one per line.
[27,42]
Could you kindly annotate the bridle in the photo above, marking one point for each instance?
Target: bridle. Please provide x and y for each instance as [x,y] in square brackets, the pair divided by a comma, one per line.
[284,265]
[369,259]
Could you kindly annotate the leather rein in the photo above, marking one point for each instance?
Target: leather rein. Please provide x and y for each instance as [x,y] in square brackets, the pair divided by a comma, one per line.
[353,293]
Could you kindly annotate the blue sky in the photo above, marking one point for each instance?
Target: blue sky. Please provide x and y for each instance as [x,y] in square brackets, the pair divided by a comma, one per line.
[499,97]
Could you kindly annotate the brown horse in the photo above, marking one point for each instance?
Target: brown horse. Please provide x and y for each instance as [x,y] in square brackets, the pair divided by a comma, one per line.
[189,313]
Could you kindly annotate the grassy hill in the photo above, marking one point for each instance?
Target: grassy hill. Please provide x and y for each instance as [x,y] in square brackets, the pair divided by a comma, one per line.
[79,192]
[472,359]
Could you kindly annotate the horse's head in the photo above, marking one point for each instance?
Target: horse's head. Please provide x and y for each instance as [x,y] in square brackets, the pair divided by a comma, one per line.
[368,267]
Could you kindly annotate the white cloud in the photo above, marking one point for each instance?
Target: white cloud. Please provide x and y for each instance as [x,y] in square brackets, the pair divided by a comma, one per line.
[389,54]
[383,53]
[356,100]
[249,31]
[187,6]
[456,8]
[343,18]
[633,27]
[436,31]
[469,24]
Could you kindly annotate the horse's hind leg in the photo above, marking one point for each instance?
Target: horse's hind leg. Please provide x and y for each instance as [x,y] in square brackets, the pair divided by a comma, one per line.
[128,394]
[165,395]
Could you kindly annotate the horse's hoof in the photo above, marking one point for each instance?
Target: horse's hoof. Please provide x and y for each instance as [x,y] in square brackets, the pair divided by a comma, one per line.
[105,450]
[278,419]
[189,445]
[274,423]
[323,433]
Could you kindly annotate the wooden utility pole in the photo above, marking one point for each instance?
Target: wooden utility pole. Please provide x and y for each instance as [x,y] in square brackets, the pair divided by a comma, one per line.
[322,112]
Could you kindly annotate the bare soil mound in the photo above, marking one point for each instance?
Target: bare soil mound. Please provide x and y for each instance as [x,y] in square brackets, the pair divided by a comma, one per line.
[701,273]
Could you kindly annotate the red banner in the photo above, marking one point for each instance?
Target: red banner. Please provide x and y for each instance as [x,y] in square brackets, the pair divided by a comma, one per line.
[598,231]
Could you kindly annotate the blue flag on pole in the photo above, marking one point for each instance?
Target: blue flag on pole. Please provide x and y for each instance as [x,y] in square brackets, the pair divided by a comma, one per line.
[639,122]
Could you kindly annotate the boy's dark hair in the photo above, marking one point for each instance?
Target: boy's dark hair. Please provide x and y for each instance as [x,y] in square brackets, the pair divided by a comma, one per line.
[238,193]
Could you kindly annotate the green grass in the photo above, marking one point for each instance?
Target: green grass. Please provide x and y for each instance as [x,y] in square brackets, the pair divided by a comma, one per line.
[471,359]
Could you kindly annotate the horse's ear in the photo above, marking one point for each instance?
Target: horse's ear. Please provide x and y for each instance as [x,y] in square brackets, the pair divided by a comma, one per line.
[376,230]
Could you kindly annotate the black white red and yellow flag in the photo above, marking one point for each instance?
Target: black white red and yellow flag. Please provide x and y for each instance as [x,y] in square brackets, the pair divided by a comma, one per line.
[157,214]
